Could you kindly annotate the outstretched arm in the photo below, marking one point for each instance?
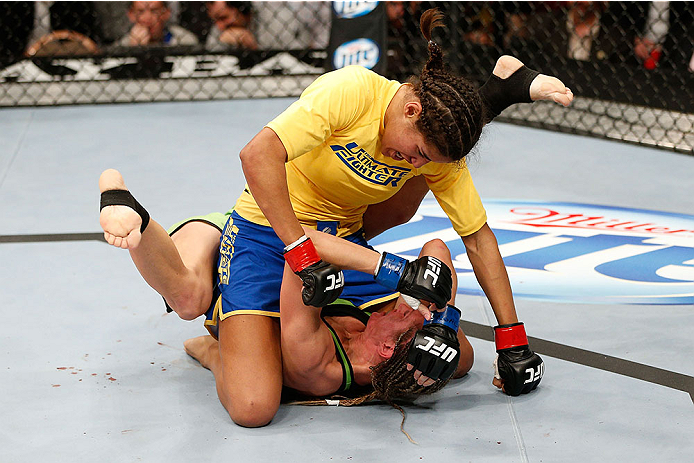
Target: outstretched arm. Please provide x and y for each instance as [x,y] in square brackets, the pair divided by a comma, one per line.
[490,271]
[423,279]
[519,370]
[344,254]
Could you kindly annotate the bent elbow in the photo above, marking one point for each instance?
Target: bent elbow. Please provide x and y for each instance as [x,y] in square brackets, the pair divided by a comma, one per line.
[246,155]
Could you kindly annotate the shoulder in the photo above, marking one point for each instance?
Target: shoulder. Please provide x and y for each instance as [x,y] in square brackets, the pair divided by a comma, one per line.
[444,169]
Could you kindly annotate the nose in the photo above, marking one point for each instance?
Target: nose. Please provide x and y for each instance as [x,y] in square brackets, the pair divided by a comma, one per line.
[417,162]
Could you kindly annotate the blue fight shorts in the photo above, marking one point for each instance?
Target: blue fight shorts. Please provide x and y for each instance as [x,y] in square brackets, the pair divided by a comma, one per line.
[250,269]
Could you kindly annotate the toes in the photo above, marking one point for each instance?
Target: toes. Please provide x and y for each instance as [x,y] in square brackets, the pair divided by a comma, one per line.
[133,238]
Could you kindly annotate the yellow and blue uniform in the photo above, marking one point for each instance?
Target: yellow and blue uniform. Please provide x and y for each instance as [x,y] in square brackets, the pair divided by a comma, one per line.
[335,169]
[250,268]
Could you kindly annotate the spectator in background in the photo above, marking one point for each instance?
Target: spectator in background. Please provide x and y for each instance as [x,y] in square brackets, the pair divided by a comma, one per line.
[649,45]
[231,26]
[583,25]
[292,25]
[114,20]
[150,27]
[667,38]
[592,31]
[64,28]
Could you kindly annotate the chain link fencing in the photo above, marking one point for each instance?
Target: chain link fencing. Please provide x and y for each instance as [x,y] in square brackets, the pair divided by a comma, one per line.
[630,64]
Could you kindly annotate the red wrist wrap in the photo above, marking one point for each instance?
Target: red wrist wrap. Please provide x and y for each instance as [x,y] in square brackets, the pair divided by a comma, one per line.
[301,256]
[508,336]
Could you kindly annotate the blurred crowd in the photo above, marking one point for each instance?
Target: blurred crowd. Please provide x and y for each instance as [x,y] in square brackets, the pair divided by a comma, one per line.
[643,34]
[45,28]
[646,34]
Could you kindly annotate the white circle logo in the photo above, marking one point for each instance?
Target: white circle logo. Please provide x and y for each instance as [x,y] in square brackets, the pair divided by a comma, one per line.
[570,252]
[362,52]
[349,10]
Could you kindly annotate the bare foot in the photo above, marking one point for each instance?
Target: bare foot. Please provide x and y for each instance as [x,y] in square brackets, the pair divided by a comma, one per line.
[204,349]
[542,87]
[552,89]
[506,65]
[121,224]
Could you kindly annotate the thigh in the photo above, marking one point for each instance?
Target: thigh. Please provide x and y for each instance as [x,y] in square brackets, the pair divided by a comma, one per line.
[198,245]
[251,368]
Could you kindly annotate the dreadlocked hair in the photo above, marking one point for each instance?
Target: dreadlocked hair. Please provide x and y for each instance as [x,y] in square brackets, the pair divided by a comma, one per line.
[390,380]
[452,113]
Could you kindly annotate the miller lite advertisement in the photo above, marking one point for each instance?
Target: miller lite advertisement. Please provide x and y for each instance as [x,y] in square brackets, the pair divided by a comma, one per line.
[358,36]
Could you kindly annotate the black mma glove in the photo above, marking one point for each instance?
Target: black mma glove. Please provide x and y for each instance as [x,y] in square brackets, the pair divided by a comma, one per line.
[435,350]
[519,368]
[425,278]
[323,282]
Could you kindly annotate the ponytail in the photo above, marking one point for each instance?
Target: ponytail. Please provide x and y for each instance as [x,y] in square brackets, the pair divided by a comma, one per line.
[452,113]
[430,20]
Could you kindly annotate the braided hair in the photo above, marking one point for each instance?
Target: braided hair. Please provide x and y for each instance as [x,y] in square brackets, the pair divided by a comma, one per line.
[390,380]
[452,113]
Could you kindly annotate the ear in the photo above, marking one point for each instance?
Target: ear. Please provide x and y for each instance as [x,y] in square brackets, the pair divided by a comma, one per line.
[386,349]
[412,108]
[131,16]
[167,14]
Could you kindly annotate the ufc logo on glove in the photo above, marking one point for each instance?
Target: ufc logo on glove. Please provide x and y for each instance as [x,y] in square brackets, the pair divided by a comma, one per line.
[535,374]
[336,281]
[440,349]
[433,270]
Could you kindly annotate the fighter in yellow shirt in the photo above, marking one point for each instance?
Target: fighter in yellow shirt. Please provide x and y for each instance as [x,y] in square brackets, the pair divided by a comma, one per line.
[335,165]
[323,155]
[416,131]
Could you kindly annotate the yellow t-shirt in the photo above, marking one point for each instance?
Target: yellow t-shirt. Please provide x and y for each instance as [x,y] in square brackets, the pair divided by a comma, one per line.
[335,167]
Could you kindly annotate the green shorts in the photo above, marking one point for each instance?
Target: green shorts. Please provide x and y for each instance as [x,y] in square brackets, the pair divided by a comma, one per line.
[216,219]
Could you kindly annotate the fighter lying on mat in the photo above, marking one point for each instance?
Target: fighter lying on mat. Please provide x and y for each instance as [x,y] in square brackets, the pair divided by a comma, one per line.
[308,360]
[192,248]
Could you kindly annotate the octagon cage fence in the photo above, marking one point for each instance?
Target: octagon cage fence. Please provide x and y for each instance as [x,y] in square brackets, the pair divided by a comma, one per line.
[630,64]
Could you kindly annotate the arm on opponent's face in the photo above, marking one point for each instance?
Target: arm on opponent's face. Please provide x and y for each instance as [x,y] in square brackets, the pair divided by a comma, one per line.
[426,278]
[344,254]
